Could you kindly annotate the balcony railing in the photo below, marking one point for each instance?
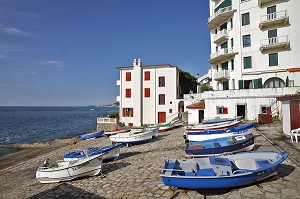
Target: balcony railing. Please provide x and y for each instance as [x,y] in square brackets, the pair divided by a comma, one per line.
[222,55]
[222,75]
[220,17]
[275,18]
[222,36]
[274,42]
[106,120]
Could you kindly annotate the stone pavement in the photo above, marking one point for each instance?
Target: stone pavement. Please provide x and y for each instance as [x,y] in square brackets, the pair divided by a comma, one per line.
[136,173]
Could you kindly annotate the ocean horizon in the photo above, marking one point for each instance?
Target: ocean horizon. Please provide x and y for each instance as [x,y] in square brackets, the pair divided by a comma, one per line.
[32,124]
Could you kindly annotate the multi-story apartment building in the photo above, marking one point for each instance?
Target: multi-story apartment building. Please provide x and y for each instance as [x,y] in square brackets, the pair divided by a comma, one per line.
[148,94]
[254,56]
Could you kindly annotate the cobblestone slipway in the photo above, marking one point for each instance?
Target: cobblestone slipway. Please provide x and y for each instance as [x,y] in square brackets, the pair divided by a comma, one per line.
[136,173]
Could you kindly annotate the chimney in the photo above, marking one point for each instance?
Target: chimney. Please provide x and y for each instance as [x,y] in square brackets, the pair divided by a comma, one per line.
[137,62]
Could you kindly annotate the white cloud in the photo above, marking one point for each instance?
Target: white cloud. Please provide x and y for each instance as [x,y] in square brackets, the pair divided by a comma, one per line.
[13,31]
[58,64]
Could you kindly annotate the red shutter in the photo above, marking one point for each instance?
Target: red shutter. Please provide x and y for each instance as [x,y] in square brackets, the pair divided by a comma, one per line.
[128,93]
[131,112]
[128,76]
[147,92]
[147,75]
[225,110]
[124,112]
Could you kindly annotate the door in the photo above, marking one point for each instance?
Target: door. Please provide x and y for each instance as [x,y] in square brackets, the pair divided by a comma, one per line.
[241,110]
[161,117]
[294,114]
[201,116]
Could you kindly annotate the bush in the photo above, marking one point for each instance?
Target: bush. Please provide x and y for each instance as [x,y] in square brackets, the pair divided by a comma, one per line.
[114,115]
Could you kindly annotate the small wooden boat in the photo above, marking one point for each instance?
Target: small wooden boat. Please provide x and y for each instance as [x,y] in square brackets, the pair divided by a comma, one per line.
[214,134]
[222,171]
[220,146]
[92,135]
[110,153]
[135,136]
[178,123]
[163,127]
[113,132]
[68,170]
[154,130]
[215,126]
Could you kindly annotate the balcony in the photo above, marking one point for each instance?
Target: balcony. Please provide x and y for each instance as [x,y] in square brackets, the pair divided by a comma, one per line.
[222,75]
[222,55]
[118,82]
[276,18]
[222,36]
[263,2]
[274,42]
[219,17]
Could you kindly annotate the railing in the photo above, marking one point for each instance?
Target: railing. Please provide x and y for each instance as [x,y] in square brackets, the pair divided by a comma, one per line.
[273,16]
[220,11]
[223,51]
[222,33]
[222,74]
[274,41]
[107,120]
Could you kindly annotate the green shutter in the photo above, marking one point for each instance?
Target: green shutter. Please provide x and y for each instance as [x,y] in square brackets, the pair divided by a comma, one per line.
[224,45]
[273,59]
[241,84]
[247,62]
[225,66]
[255,82]
[260,83]
[271,9]
[272,33]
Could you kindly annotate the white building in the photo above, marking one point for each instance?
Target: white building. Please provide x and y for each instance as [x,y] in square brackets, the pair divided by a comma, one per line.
[148,94]
[255,51]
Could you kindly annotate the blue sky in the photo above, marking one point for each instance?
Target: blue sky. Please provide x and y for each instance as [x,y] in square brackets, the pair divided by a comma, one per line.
[65,52]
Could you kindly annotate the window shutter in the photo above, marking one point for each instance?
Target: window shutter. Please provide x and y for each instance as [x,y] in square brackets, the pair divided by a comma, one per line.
[124,112]
[147,75]
[128,93]
[128,76]
[225,110]
[131,112]
[147,92]
[241,84]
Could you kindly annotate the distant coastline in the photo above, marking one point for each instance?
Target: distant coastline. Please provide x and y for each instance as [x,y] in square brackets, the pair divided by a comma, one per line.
[116,104]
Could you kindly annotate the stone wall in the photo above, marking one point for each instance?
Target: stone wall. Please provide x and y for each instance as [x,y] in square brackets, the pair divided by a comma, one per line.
[107,126]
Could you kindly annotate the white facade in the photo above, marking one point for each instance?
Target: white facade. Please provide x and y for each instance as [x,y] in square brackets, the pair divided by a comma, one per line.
[254,57]
[243,29]
[144,101]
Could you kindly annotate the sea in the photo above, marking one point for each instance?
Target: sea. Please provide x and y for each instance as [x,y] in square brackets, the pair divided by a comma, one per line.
[26,125]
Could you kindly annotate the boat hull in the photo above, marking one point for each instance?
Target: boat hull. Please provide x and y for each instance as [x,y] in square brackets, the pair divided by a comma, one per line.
[92,135]
[219,120]
[128,138]
[214,126]
[109,133]
[68,170]
[246,144]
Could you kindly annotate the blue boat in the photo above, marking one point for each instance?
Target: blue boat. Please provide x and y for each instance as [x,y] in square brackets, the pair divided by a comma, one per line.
[219,120]
[92,135]
[222,171]
[220,146]
[222,133]
[110,153]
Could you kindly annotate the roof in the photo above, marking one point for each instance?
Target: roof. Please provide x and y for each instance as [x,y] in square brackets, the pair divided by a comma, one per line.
[292,70]
[288,97]
[149,66]
[197,105]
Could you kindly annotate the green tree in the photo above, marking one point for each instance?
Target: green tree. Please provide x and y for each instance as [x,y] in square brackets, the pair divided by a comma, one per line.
[206,87]
[187,83]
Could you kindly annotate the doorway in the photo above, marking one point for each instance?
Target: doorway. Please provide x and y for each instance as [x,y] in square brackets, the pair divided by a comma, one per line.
[161,117]
[201,116]
[294,114]
[241,110]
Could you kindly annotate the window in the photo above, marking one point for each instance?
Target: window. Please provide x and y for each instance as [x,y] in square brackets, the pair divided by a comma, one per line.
[272,35]
[263,109]
[245,19]
[223,26]
[271,11]
[147,75]
[273,59]
[222,110]
[247,62]
[248,84]
[161,82]
[147,92]
[128,93]
[226,85]
[225,66]
[170,111]
[161,98]
[224,45]
[127,112]
[274,82]
[232,43]
[231,23]
[246,41]
[232,64]
[128,76]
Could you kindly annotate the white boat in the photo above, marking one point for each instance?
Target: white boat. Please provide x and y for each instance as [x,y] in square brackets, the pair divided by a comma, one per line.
[135,136]
[68,170]
[219,119]
[154,130]
[214,126]
[112,132]
[209,135]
